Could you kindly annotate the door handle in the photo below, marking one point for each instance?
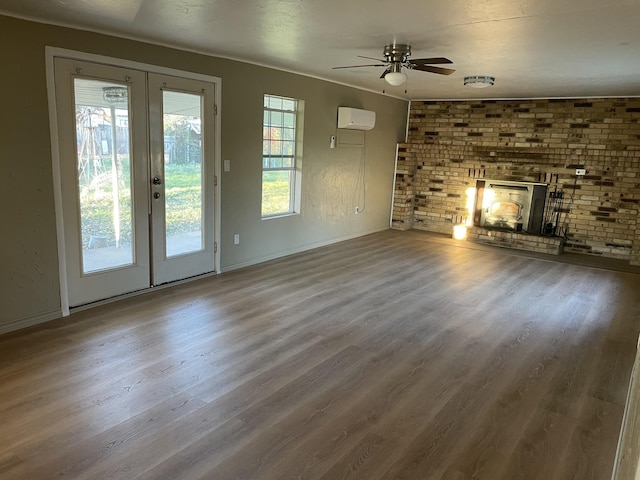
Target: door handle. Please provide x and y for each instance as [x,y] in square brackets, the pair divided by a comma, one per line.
[157,181]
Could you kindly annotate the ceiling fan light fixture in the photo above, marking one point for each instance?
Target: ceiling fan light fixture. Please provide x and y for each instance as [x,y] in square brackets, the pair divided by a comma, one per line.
[395,78]
[479,81]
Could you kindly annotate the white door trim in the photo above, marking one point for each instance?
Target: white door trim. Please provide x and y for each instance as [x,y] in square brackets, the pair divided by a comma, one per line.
[53,52]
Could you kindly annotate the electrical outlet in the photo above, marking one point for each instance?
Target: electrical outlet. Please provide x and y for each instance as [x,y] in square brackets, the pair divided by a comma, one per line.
[236,239]
[581,171]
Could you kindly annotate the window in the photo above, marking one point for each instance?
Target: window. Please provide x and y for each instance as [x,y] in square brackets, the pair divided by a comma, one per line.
[281,149]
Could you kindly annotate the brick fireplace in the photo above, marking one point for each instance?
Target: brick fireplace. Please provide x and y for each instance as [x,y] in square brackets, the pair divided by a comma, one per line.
[453,145]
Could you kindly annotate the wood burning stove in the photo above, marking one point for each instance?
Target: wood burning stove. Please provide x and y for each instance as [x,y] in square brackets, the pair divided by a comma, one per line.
[505,205]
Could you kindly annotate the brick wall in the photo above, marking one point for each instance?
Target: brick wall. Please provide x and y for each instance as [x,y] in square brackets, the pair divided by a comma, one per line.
[452,144]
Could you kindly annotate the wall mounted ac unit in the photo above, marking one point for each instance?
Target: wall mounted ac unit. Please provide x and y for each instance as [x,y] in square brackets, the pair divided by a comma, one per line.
[356,119]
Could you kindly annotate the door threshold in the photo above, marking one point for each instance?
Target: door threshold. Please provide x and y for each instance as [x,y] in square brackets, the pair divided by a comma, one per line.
[124,296]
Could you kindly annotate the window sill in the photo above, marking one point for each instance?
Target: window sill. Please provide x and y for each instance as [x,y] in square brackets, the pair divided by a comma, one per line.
[280,215]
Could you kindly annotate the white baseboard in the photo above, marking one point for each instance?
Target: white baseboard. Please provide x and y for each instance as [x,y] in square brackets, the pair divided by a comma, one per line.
[302,248]
[14,325]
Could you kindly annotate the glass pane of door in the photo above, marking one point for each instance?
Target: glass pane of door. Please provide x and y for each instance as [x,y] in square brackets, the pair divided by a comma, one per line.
[183,173]
[103,174]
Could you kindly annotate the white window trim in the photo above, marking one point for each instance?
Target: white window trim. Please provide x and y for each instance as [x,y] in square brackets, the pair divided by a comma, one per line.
[296,190]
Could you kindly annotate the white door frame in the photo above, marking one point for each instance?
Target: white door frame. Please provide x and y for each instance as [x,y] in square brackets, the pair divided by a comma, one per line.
[50,54]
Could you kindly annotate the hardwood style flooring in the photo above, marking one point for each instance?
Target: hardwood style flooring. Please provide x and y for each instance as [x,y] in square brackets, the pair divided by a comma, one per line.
[391,356]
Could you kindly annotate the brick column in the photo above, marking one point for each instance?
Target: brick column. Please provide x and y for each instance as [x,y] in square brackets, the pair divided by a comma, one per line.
[404,190]
[631,200]
[634,258]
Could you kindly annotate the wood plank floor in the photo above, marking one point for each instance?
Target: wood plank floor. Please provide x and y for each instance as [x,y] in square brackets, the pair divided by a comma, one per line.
[391,356]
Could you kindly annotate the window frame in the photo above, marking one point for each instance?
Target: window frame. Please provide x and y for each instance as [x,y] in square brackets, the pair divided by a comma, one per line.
[284,150]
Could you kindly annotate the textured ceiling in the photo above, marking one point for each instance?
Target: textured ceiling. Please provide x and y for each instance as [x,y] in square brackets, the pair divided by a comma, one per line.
[534,48]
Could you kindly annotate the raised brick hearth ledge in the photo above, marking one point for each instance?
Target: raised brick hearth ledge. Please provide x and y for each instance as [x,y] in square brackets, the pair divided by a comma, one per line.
[519,241]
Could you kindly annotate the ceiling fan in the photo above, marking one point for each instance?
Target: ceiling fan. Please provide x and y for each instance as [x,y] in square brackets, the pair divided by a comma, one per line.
[396,57]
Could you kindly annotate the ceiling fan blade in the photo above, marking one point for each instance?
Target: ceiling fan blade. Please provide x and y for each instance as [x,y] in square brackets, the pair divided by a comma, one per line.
[356,66]
[385,72]
[371,58]
[438,70]
[432,61]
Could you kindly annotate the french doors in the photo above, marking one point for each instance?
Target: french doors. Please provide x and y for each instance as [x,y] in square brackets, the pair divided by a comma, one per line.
[136,154]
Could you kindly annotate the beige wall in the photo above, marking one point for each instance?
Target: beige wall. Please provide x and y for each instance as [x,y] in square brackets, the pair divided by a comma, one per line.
[29,283]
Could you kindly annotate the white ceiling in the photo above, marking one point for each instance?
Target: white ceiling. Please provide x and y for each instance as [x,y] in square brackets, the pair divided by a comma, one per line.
[534,48]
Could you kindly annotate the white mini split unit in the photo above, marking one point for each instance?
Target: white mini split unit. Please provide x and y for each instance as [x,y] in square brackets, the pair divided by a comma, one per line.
[356,119]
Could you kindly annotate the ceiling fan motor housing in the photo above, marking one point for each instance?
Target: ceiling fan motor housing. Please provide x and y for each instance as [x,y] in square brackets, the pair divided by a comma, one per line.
[397,53]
